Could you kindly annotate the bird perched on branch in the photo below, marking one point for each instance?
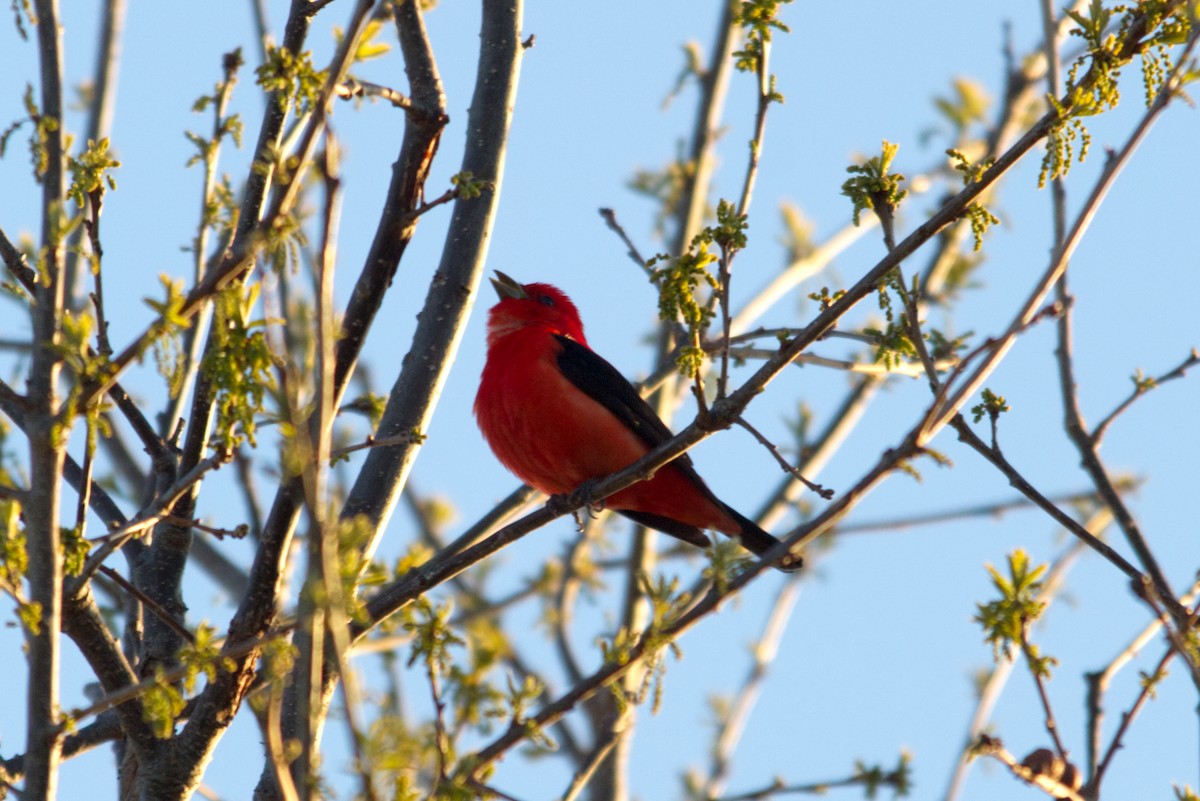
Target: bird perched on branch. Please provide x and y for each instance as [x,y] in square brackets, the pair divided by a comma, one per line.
[558,416]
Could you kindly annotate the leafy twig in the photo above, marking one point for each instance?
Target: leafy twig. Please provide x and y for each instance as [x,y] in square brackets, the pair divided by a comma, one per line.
[1084,442]
[989,693]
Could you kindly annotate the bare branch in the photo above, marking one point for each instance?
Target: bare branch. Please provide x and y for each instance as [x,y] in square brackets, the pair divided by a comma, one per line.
[1140,388]
[967,436]
[105,729]
[992,747]
[610,219]
[147,518]
[1098,682]
[44,429]
[787,467]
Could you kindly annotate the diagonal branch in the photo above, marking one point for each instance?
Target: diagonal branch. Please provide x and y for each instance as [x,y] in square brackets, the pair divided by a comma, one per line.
[1141,387]
[1086,443]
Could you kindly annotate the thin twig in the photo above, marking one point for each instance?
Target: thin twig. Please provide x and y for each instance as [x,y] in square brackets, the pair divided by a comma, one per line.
[276,750]
[220,533]
[584,773]
[150,439]
[162,614]
[1118,740]
[147,518]
[478,606]
[1098,681]
[85,490]
[950,515]
[441,741]
[787,467]
[105,729]
[913,304]
[905,369]
[766,96]
[405,438]
[92,226]
[246,484]
[610,219]
[970,438]
[16,407]
[779,787]
[564,604]
[453,193]
[1140,388]
[1039,680]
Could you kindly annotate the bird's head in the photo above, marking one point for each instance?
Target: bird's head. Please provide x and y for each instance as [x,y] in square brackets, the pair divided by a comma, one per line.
[524,306]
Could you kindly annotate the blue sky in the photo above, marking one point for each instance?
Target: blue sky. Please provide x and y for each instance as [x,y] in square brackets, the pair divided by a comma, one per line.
[880,651]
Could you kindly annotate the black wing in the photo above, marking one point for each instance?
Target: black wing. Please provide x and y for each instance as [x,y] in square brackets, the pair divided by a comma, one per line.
[604,384]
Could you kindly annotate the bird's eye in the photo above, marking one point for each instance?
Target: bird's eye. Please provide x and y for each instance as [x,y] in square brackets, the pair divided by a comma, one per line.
[546,300]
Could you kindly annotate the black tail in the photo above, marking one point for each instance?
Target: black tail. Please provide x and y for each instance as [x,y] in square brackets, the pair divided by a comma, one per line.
[680,531]
[753,538]
[758,542]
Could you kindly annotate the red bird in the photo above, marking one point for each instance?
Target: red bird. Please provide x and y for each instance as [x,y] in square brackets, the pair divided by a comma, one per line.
[558,415]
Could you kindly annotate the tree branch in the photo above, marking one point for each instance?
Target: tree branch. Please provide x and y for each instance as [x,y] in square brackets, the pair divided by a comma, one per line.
[46,430]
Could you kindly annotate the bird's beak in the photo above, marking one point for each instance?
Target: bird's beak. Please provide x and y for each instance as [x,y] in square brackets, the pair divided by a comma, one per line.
[507,287]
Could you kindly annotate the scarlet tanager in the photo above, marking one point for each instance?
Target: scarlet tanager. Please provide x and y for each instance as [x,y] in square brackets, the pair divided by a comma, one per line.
[558,415]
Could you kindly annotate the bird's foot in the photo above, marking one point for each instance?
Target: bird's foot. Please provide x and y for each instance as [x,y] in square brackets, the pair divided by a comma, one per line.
[581,501]
[584,495]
